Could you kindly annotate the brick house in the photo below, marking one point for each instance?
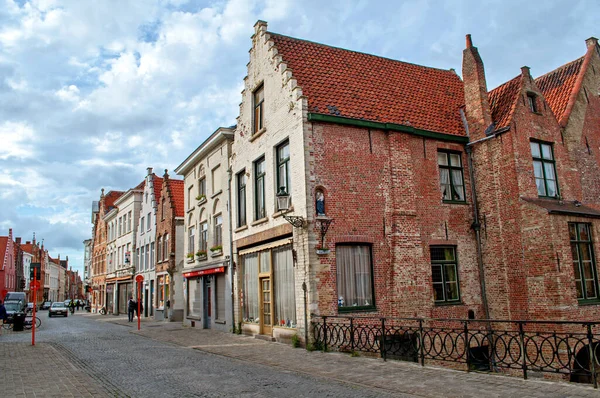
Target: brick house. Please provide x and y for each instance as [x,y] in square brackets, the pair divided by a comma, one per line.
[99,252]
[385,149]
[8,277]
[535,145]
[170,250]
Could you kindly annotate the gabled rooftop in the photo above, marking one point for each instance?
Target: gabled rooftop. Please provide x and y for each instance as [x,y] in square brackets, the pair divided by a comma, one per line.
[503,100]
[355,85]
[177,196]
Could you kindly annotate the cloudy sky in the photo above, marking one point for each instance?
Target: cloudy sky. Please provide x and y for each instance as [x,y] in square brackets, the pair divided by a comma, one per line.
[94,91]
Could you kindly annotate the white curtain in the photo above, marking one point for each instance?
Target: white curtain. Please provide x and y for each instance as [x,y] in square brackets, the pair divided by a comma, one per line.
[250,272]
[457,181]
[354,275]
[445,183]
[285,287]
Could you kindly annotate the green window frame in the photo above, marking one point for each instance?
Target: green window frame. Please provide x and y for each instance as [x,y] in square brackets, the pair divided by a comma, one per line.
[444,274]
[544,169]
[452,181]
[259,189]
[283,166]
[584,263]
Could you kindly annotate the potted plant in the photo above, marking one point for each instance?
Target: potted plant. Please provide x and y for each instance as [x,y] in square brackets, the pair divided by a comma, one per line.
[190,256]
[201,198]
[322,249]
[201,254]
[216,250]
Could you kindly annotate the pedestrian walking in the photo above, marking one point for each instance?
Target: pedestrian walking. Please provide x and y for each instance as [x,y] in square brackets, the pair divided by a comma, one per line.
[2,315]
[72,306]
[131,307]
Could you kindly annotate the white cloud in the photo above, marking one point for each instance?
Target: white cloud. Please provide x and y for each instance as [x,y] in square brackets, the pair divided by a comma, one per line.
[17,138]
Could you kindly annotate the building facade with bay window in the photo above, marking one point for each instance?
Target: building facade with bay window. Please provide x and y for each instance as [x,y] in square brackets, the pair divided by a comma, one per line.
[207,273]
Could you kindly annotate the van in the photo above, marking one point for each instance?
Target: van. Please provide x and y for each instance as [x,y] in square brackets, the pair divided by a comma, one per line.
[15,296]
[16,301]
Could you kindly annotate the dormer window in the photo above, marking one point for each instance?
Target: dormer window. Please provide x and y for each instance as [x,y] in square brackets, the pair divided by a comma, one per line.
[258,120]
[532,101]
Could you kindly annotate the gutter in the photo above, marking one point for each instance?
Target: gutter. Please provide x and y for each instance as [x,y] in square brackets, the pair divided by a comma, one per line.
[476,225]
[230,176]
[317,117]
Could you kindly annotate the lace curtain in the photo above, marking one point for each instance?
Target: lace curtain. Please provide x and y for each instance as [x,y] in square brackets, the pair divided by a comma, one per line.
[354,275]
[285,290]
[250,301]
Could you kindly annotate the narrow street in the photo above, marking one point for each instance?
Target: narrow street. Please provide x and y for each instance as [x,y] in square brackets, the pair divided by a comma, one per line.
[90,355]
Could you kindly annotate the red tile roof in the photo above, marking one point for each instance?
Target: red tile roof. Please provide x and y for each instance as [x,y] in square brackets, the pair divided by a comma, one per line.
[558,87]
[177,196]
[27,247]
[157,183]
[3,244]
[361,86]
[503,100]
[111,197]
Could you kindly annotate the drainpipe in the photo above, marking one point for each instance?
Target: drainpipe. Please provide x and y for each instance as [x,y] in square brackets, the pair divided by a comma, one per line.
[230,175]
[476,225]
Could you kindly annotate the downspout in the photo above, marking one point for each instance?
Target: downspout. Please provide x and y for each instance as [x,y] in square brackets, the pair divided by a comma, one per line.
[230,175]
[476,225]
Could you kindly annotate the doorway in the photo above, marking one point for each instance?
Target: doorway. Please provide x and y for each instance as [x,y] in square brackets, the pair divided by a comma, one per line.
[266,306]
[207,302]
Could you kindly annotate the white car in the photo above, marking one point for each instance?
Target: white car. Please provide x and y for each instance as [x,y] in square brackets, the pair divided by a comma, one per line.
[58,309]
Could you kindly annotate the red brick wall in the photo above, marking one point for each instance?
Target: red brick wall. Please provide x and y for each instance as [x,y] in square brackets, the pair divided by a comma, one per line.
[383,188]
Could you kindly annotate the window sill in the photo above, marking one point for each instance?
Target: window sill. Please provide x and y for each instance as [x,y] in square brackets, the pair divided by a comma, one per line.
[588,302]
[260,221]
[201,258]
[447,303]
[220,322]
[257,134]
[282,212]
[548,197]
[190,260]
[216,253]
[201,202]
[240,229]
[214,195]
[455,202]
[191,209]
[364,308]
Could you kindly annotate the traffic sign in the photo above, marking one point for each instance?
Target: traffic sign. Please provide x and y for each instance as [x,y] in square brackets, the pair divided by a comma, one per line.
[139,278]
[35,284]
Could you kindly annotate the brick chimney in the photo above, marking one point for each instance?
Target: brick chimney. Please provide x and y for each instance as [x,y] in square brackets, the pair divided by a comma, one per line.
[477,104]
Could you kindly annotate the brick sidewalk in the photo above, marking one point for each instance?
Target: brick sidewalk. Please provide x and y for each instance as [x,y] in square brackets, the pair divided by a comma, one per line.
[392,376]
[42,371]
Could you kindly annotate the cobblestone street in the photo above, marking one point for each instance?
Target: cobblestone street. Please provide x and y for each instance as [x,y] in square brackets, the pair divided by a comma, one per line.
[90,355]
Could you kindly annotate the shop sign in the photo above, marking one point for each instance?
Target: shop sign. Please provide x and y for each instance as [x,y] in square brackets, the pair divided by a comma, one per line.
[204,272]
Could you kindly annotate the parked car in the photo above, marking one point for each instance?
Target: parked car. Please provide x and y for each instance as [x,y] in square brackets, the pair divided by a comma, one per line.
[46,305]
[58,308]
[13,306]
[30,307]
[16,296]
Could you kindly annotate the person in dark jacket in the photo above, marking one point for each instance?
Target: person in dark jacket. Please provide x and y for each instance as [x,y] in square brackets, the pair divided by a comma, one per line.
[131,307]
[2,314]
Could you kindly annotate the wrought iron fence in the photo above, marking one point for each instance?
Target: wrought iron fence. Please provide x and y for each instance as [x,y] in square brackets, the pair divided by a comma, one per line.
[562,347]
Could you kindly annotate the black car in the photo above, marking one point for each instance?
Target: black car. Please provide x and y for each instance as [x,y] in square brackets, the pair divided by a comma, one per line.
[58,308]
[46,305]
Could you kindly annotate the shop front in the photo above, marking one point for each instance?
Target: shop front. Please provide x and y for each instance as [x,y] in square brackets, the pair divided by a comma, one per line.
[110,291]
[125,291]
[162,296]
[268,289]
[208,298]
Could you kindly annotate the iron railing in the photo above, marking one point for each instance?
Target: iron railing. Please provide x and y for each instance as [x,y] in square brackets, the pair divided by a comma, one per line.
[562,347]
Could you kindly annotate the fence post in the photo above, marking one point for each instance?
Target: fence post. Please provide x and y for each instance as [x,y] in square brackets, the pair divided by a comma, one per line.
[324,334]
[383,338]
[351,335]
[467,356]
[421,342]
[523,349]
[592,355]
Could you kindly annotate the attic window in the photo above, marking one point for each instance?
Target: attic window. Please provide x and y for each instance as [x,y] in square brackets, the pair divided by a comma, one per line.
[532,100]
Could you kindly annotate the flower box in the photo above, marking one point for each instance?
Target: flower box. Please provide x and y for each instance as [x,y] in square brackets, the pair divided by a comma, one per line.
[201,255]
[216,250]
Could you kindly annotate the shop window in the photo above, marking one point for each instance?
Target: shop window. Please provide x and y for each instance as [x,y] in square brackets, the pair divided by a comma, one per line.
[285,287]
[220,297]
[354,277]
[194,304]
[250,293]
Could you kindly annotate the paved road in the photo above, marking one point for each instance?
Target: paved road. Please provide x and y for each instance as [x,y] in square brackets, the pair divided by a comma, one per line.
[113,362]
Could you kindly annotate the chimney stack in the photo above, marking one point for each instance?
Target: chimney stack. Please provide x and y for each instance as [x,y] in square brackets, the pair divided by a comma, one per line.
[479,115]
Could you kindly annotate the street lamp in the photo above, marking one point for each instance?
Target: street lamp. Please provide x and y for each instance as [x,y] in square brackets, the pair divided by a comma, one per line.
[283,205]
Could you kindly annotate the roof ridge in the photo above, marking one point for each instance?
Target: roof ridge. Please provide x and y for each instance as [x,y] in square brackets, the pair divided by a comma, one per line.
[560,67]
[452,71]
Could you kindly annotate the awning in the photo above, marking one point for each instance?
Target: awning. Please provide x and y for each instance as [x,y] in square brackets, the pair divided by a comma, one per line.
[266,246]
[564,207]
[201,272]
[122,278]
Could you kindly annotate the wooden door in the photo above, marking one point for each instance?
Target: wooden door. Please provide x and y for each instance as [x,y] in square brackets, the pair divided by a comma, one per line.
[266,306]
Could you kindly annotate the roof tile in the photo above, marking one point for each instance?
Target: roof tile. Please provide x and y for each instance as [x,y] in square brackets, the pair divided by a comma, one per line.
[503,100]
[177,196]
[362,86]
